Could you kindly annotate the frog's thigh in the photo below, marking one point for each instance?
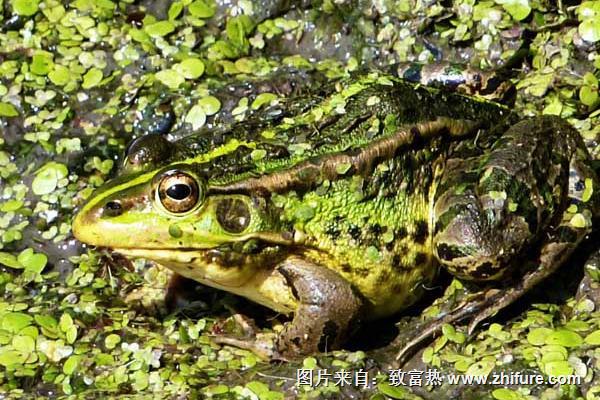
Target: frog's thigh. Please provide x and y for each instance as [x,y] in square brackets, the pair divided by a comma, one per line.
[327,309]
[490,207]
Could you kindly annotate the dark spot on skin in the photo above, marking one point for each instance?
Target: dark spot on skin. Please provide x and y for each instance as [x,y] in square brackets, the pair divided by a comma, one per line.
[376,229]
[448,253]
[399,264]
[421,231]
[383,277]
[354,232]
[329,334]
[112,209]
[420,258]
[485,270]
[233,215]
[401,233]
[397,287]
[332,229]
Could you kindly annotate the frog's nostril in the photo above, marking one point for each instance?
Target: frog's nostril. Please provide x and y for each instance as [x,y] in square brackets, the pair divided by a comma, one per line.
[112,209]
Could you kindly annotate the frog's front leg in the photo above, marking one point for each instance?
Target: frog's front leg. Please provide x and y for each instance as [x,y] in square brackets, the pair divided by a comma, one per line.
[326,309]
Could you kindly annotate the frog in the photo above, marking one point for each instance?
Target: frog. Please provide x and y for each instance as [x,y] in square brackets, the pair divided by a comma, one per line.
[340,206]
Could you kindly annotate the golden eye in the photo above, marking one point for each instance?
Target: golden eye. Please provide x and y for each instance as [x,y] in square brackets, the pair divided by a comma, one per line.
[179,192]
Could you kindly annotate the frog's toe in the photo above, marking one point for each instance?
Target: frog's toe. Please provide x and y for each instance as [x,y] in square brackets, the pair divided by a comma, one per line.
[262,344]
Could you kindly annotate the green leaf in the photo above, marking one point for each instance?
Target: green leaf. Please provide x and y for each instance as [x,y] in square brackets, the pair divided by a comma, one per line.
[202,9]
[60,75]
[304,212]
[174,10]
[46,322]
[41,63]
[452,335]
[71,364]
[588,95]
[309,363]
[8,110]
[395,392]
[22,343]
[262,99]
[34,262]
[257,387]
[25,7]
[196,117]
[518,9]
[66,322]
[506,394]
[593,338]
[342,168]
[258,154]
[237,28]
[170,78]
[215,389]
[140,380]
[589,30]
[481,368]
[92,78]
[11,357]
[537,336]
[111,341]
[558,368]
[47,177]
[190,68]
[9,260]
[15,321]
[159,29]
[210,104]
[564,337]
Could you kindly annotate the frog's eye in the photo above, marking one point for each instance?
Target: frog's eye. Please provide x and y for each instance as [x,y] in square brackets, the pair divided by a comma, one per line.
[179,192]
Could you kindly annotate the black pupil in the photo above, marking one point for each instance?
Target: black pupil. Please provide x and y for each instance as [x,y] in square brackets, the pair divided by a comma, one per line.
[179,191]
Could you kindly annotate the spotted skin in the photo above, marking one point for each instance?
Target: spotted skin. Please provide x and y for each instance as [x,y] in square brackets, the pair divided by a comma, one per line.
[341,205]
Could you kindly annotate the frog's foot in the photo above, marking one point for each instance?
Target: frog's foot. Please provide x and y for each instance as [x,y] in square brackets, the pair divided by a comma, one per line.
[429,329]
[262,344]
[488,302]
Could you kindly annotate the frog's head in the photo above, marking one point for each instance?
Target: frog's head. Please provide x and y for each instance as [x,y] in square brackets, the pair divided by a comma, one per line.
[162,207]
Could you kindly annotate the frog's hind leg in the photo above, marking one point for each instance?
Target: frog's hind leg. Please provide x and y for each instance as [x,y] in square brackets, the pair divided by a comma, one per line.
[493,208]
[531,198]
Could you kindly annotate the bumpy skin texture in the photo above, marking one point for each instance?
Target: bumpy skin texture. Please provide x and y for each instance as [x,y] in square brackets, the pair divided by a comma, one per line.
[494,204]
[338,205]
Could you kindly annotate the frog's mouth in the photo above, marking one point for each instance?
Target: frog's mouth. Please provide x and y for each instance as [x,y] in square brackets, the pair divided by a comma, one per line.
[224,266]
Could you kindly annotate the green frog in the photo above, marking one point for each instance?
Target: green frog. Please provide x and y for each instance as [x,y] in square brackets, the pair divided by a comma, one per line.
[340,206]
